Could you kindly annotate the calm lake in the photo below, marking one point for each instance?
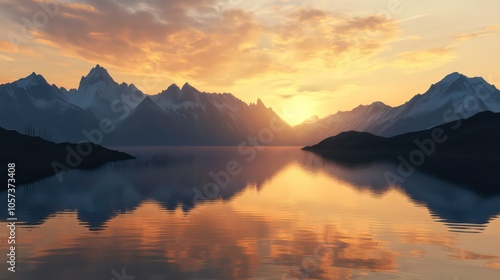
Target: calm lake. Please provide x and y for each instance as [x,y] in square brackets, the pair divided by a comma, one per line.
[253,213]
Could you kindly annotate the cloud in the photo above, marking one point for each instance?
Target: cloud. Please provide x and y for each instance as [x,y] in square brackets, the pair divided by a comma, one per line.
[486,31]
[419,60]
[311,32]
[425,59]
[202,41]
[303,15]
[6,58]
[98,33]
[6,46]
[287,96]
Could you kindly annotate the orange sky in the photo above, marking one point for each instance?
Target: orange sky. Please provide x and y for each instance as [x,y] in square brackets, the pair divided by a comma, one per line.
[302,58]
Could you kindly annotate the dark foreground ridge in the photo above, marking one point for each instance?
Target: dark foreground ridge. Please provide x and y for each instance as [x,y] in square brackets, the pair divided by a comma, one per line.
[35,158]
[463,151]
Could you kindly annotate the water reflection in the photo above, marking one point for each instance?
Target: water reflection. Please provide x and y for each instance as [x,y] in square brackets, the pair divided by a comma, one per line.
[173,177]
[288,214]
[117,188]
[456,206]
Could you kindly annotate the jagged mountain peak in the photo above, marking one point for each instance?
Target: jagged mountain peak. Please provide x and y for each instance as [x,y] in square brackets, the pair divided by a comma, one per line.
[457,83]
[374,104]
[456,76]
[172,89]
[98,71]
[98,90]
[147,104]
[452,77]
[131,86]
[35,76]
[173,86]
[189,89]
[33,79]
[380,103]
[147,101]
[96,75]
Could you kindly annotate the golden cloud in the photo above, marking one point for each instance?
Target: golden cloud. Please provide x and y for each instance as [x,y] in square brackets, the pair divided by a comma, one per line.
[197,40]
[6,46]
[6,58]
[486,31]
[493,265]
[425,59]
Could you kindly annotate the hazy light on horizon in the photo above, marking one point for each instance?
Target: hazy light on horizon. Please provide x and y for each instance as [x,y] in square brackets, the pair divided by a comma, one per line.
[301,58]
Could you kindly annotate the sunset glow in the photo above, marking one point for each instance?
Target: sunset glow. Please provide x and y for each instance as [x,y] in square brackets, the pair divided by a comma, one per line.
[302,58]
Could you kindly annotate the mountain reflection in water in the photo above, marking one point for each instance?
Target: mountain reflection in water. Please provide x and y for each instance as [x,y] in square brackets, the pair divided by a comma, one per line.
[287,214]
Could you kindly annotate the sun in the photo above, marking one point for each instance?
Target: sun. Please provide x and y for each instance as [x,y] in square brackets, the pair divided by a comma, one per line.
[296,110]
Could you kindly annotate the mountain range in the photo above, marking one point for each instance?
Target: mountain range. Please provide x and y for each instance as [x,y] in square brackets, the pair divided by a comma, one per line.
[186,116]
[176,116]
[455,97]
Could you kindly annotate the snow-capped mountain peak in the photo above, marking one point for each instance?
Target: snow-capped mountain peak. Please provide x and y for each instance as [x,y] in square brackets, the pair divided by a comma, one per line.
[33,79]
[98,91]
[99,72]
[173,89]
[450,78]
[96,75]
[458,84]
[169,97]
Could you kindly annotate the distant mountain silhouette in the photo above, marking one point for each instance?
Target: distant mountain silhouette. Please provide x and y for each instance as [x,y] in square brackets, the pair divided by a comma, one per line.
[31,103]
[465,151]
[358,119]
[173,117]
[455,97]
[34,156]
[186,116]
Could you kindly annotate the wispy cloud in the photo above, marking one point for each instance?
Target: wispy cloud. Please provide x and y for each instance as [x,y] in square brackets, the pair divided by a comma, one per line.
[6,58]
[7,46]
[425,59]
[415,17]
[98,33]
[495,29]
